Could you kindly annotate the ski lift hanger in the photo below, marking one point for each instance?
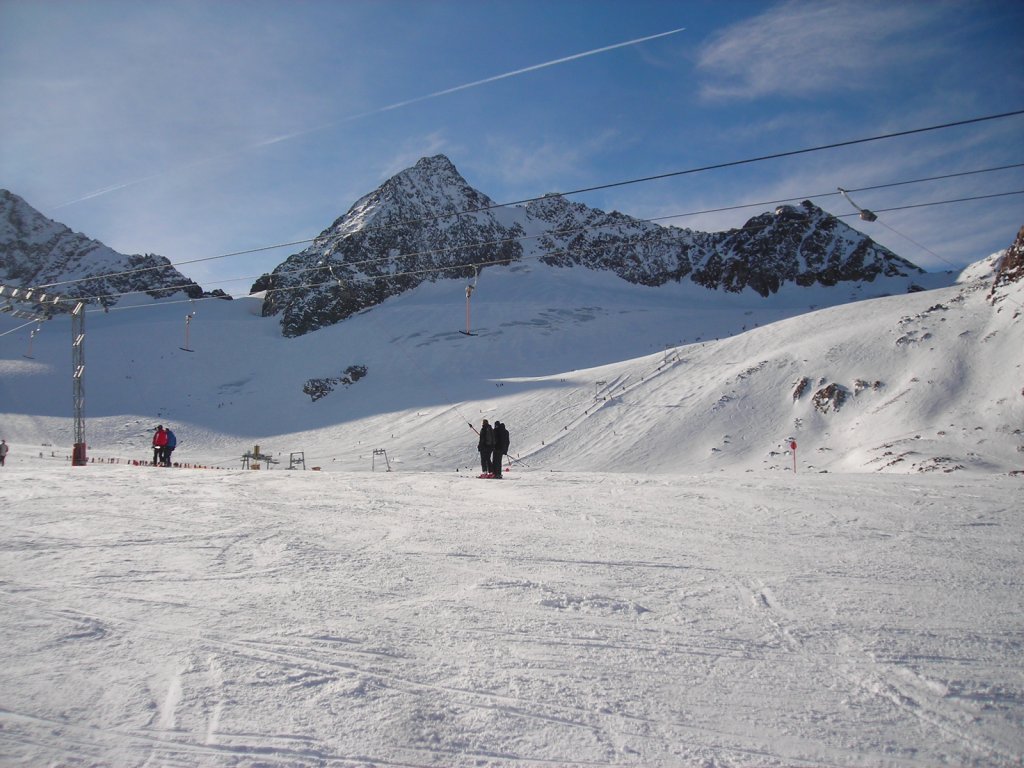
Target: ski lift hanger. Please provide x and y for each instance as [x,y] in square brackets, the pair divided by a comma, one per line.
[31,338]
[470,287]
[188,322]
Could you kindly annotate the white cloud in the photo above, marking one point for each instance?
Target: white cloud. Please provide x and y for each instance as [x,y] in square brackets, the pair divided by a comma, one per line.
[411,151]
[546,165]
[801,48]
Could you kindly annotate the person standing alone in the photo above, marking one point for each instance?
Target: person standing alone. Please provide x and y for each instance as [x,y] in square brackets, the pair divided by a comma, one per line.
[4,448]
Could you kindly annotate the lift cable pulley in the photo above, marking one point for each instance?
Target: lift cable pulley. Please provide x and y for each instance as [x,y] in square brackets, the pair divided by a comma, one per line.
[865,214]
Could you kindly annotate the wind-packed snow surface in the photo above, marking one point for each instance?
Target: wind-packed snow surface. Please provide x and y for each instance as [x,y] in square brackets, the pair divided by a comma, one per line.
[651,585]
[161,617]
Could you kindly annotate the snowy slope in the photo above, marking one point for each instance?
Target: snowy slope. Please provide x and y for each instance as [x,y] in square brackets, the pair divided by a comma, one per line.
[650,586]
[220,618]
[428,223]
[589,373]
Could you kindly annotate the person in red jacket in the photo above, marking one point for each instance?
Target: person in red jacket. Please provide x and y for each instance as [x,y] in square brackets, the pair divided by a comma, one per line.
[159,442]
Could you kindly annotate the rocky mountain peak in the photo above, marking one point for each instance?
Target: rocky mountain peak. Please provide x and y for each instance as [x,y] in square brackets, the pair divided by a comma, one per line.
[19,219]
[37,251]
[435,181]
[423,223]
[432,189]
[437,166]
[805,244]
[428,223]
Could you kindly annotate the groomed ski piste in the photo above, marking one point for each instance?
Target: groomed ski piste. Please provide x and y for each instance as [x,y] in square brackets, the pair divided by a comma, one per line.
[651,584]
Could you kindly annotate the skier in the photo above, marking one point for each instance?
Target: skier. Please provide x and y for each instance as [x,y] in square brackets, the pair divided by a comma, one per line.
[501,440]
[486,447]
[172,443]
[4,448]
[159,443]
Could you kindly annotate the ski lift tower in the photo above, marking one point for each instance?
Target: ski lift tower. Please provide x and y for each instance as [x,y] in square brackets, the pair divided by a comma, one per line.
[78,372]
[36,299]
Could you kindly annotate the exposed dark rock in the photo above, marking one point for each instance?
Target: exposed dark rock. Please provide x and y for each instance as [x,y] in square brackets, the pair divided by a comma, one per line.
[801,388]
[830,398]
[319,388]
[861,385]
[426,223]
[1011,266]
[37,251]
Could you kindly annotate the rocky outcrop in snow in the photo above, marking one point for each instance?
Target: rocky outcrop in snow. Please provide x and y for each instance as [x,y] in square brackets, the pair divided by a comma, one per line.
[1011,266]
[321,387]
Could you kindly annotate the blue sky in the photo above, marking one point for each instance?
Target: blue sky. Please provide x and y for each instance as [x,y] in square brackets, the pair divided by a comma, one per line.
[195,129]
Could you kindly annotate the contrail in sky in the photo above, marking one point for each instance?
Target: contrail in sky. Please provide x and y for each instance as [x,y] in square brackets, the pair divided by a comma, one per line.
[474,84]
[523,71]
[388,108]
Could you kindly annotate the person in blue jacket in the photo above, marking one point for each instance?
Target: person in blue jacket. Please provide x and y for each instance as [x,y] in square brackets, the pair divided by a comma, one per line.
[172,443]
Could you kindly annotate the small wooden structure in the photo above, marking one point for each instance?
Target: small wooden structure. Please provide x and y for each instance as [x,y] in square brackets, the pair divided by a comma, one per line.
[251,459]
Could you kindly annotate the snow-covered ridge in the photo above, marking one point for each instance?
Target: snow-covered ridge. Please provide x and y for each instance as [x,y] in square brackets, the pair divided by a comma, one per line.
[412,227]
[590,373]
[589,370]
[37,251]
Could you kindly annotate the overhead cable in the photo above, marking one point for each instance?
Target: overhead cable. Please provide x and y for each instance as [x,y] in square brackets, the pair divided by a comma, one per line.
[651,220]
[734,163]
[611,185]
[496,262]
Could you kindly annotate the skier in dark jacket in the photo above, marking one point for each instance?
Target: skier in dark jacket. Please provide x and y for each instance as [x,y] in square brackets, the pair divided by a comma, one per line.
[501,439]
[486,447]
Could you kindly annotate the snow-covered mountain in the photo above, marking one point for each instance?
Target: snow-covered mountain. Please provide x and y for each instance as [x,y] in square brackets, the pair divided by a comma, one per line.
[428,223]
[594,362]
[590,373]
[36,251]
[650,584]
[651,528]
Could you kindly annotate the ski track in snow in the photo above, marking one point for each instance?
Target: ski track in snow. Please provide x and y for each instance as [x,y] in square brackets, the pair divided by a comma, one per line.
[740,616]
[208,618]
